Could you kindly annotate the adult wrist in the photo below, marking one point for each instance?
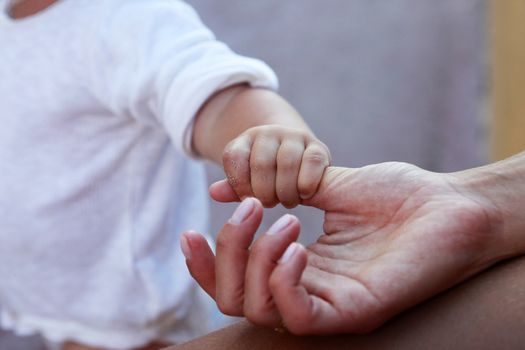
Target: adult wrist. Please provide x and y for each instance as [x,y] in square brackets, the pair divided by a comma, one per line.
[500,189]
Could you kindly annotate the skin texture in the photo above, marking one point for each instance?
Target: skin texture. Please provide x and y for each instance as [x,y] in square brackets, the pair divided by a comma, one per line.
[275,164]
[483,313]
[394,235]
[266,149]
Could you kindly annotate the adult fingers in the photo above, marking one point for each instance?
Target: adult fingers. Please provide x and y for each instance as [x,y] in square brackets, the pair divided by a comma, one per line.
[259,307]
[200,260]
[263,165]
[302,313]
[316,158]
[233,244]
[289,158]
[236,163]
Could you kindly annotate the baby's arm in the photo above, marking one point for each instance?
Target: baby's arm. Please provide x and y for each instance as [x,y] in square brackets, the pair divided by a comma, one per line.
[266,148]
[161,68]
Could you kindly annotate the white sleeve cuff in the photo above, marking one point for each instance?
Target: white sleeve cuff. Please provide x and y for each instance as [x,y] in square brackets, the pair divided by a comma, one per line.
[189,93]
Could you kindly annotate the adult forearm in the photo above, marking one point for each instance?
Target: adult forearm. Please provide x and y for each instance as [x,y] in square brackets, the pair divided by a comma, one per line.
[234,110]
[502,185]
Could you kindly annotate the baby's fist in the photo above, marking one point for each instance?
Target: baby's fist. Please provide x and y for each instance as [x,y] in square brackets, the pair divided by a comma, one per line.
[275,164]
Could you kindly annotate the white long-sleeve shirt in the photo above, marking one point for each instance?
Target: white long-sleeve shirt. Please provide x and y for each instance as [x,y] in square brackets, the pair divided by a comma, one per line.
[97,100]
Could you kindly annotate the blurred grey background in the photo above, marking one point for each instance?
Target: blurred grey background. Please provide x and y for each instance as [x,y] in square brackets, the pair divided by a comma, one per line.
[377,81]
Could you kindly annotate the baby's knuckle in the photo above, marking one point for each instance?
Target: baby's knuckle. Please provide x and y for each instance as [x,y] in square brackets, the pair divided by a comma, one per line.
[235,154]
[256,130]
[287,198]
[290,204]
[268,202]
[265,194]
[316,157]
[229,148]
[263,163]
[288,163]
[307,185]
[227,155]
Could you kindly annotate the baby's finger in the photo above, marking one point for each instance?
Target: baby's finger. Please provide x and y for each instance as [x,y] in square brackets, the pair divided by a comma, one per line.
[233,244]
[289,160]
[221,191]
[315,160]
[259,307]
[263,166]
[236,163]
[301,312]
[200,260]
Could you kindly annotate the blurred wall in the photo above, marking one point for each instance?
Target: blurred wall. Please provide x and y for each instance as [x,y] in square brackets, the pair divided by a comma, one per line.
[377,80]
[508,77]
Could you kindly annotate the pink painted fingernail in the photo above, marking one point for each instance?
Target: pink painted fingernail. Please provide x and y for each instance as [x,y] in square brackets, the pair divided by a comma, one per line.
[280,224]
[290,251]
[185,247]
[243,211]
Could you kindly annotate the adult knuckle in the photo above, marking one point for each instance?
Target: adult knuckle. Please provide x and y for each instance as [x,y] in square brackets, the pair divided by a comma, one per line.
[222,242]
[260,254]
[228,308]
[257,251]
[298,325]
[275,282]
[253,315]
[261,312]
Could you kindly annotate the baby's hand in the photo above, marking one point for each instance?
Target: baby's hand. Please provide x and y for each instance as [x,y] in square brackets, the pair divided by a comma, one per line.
[275,164]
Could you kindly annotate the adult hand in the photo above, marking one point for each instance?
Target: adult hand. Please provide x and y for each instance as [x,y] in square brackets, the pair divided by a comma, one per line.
[394,235]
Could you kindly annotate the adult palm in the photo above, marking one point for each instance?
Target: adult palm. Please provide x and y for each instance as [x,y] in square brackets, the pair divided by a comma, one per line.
[394,235]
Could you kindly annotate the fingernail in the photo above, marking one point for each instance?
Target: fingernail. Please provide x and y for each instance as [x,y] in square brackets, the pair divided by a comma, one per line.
[280,224]
[185,247]
[292,248]
[242,212]
[305,196]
